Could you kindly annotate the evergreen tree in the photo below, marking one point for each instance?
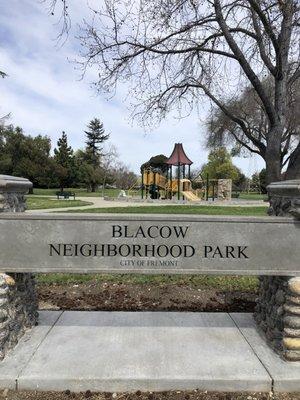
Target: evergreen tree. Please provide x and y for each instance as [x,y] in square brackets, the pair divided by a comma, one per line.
[95,136]
[24,155]
[63,156]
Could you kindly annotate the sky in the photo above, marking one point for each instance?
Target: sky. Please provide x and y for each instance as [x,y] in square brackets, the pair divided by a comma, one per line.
[45,94]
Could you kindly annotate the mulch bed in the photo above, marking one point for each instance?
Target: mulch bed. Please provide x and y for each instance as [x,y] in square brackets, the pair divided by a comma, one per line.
[179,395]
[108,296]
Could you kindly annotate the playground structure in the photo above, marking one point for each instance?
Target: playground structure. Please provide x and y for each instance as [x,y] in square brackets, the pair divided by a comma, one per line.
[157,185]
[165,185]
[154,183]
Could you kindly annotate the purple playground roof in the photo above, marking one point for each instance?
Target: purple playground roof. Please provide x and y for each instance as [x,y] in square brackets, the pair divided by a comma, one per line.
[178,156]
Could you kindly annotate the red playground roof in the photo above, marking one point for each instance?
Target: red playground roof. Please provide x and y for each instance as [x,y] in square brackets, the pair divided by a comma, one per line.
[178,156]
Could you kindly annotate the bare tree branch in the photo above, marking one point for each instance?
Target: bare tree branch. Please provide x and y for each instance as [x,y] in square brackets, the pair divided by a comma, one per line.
[173,52]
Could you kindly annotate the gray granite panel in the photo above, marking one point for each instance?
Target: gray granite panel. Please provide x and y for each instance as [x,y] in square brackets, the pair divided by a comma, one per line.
[149,244]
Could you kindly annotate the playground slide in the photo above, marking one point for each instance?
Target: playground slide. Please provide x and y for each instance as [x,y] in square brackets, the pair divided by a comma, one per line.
[190,196]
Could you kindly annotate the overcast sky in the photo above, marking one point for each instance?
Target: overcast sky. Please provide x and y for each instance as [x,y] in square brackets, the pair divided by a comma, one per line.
[45,95]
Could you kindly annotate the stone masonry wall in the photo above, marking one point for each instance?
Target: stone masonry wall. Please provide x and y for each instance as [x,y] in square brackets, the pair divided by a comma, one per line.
[277,311]
[18,302]
[18,309]
[12,202]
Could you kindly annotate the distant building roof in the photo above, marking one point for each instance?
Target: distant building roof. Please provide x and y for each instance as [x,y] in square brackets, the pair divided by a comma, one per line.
[178,156]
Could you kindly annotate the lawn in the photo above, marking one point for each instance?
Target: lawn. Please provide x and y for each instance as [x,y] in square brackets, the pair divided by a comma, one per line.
[40,203]
[181,209]
[248,283]
[83,192]
[252,196]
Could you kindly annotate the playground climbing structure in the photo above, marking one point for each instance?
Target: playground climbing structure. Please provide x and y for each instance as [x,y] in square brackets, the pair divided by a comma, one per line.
[165,186]
[160,181]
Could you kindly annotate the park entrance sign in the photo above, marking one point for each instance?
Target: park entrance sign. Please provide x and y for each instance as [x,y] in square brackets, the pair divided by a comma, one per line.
[169,244]
[149,244]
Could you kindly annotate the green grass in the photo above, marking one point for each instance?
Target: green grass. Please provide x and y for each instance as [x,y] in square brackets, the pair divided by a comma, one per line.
[201,281]
[114,193]
[181,209]
[253,196]
[83,192]
[79,192]
[40,203]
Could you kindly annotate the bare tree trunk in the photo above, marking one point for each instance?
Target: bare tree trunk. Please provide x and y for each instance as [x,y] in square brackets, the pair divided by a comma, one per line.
[273,155]
[103,186]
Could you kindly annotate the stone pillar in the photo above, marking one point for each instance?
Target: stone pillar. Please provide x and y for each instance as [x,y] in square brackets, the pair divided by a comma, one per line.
[224,189]
[278,306]
[18,303]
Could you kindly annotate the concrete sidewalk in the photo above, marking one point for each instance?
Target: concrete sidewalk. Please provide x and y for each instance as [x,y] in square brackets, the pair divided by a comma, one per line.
[147,351]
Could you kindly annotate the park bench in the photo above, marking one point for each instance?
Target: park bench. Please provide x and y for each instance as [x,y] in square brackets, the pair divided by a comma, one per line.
[65,195]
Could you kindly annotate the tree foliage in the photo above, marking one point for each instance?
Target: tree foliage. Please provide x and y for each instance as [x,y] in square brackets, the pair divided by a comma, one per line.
[258,182]
[23,155]
[63,156]
[95,137]
[220,166]
[30,157]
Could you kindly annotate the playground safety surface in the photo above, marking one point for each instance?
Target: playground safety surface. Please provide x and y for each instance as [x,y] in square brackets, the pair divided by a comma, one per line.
[146,351]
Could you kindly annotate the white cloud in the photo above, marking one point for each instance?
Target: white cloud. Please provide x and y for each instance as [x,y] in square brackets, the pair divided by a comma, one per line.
[45,95]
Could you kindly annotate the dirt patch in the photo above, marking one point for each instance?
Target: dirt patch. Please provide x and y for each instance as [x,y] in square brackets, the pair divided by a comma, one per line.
[179,395]
[108,296]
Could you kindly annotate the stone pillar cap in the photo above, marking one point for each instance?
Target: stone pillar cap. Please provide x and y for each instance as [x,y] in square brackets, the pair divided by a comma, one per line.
[285,188]
[10,183]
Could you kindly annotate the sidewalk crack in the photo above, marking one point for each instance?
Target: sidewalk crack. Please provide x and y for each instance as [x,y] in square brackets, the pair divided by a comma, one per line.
[254,351]
[36,349]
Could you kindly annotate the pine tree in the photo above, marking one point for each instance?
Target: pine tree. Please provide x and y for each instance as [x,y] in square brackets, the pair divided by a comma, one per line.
[95,136]
[63,156]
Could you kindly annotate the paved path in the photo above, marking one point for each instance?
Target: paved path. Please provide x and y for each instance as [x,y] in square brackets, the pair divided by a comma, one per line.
[99,202]
[147,351]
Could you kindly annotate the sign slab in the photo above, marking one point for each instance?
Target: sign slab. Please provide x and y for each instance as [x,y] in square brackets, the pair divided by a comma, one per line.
[124,243]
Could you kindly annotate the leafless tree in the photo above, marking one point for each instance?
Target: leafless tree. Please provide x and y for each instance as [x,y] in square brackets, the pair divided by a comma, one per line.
[3,118]
[123,177]
[175,51]
[63,20]
[223,131]
[108,161]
